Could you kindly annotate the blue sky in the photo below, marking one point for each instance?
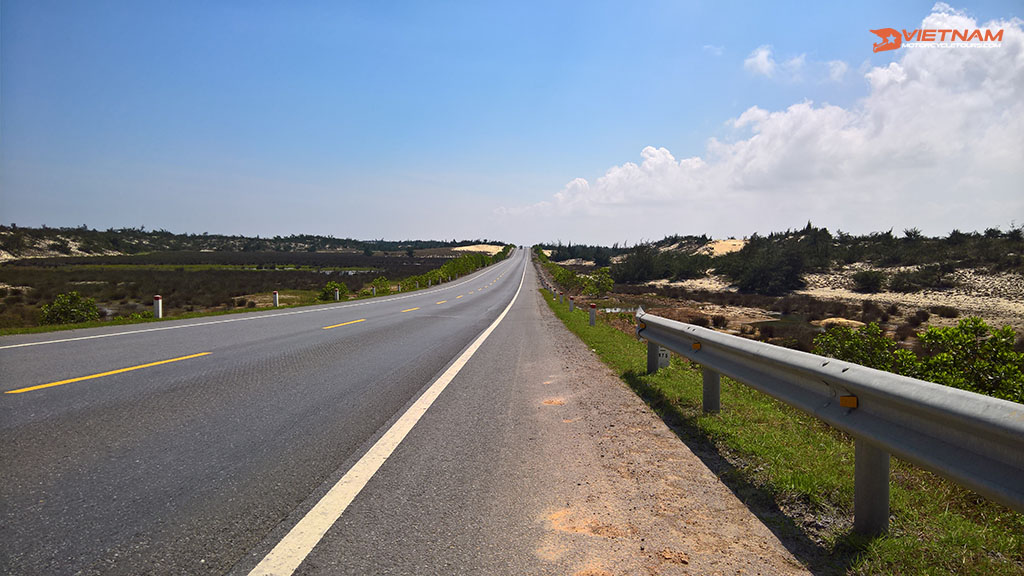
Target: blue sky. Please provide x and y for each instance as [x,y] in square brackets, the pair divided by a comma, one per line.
[440,120]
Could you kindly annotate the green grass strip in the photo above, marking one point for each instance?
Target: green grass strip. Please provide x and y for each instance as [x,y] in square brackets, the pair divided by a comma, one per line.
[796,473]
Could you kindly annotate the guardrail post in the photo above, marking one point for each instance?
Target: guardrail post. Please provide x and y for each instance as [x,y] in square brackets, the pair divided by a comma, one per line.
[337,294]
[593,313]
[572,302]
[277,302]
[560,297]
[373,290]
[712,399]
[158,306]
[870,489]
[652,357]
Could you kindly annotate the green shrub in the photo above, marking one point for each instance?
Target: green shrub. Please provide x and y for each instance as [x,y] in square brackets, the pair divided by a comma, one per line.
[327,294]
[601,282]
[382,284]
[69,308]
[867,346]
[971,356]
[976,357]
[870,281]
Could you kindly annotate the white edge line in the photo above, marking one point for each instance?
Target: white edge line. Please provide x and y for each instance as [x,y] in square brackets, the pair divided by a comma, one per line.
[289,553]
[260,317]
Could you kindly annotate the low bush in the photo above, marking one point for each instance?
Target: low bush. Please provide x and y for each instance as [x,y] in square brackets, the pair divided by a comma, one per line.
[945,311]
[869,281]
[933,276]
[919,317]
[69,308]
[871,312]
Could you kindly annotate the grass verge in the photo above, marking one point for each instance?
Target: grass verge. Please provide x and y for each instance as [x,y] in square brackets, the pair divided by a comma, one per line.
[796,474]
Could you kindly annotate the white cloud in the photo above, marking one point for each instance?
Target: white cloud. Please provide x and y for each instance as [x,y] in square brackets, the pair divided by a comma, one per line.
[796,64]
[837,70]
[713,50]
[760,61]
[937,143]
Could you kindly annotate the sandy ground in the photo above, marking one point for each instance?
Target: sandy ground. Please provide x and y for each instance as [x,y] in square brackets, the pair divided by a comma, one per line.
[489,249]
[998,299]
[719,247]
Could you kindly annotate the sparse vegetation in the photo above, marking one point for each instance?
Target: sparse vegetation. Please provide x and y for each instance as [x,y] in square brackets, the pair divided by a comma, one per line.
[122,286]
[775,264]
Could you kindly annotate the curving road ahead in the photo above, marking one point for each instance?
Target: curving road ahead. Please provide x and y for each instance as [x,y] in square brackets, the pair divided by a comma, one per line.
[182,447]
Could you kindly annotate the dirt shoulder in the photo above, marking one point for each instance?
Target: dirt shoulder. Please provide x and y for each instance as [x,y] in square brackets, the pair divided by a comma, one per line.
[646,504]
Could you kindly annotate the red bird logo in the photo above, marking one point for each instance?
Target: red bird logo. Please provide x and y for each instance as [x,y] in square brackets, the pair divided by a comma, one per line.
[891,39]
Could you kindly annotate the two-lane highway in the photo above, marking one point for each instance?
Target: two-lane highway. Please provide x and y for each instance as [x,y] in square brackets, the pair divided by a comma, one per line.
[179,447]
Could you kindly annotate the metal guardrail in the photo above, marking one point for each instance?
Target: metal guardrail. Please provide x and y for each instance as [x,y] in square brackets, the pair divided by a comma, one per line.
[974,440]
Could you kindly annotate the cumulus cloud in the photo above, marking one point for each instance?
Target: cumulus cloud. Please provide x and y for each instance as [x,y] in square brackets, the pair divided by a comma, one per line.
[761,61]
[937,143]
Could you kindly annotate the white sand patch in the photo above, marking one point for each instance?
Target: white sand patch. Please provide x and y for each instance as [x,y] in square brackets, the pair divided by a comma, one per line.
[709,283]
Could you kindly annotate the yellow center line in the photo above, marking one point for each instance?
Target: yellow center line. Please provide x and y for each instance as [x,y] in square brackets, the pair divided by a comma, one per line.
[442,301]
[459,296]
[112,372]
[411,309]
[344,324]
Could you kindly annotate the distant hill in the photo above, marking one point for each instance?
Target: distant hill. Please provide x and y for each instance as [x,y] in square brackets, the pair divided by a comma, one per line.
[19,242]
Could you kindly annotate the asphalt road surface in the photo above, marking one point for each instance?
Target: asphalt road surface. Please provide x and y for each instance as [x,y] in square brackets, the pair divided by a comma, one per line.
[183,467]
